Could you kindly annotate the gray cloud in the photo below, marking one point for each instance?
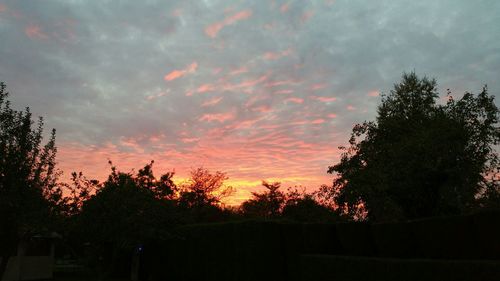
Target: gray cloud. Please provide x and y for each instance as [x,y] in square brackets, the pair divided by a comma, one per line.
[96,69]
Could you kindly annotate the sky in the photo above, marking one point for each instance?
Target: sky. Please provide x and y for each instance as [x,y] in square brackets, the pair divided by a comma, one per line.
[261,90]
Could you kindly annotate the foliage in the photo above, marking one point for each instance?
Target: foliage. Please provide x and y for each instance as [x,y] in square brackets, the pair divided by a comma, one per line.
[267,204]
[125,211]
[200,197]
[292,205]
[131,206]
[29,193]
[418,158]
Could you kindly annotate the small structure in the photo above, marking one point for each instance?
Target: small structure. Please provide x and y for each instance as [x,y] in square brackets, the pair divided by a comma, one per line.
[34,259]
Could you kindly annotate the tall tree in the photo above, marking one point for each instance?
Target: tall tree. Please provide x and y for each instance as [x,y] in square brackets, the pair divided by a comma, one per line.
[125,211]
[28,188]
[200,196]
[419,158]
[267,204]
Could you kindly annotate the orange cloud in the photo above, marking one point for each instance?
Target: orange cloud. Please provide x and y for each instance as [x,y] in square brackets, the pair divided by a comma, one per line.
[212,101]
[240,70]
[318,121]
[219,117]
[282,82]
[373,93]
[153,97]
[205,88]
[295,100]
[324,99]
[250,83]
[35,32]
[318,86]
[283,92]
[179,73]
[262,109]
[277,55]
[213,29]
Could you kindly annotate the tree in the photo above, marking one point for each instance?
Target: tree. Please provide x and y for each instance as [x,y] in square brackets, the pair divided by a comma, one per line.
[28,178]
[292,205]
[267,204]
[301,206]
[200,196]
[419,158]
[125,211]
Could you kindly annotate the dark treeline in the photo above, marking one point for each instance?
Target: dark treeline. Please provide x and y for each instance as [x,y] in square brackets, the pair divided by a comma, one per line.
[419,158]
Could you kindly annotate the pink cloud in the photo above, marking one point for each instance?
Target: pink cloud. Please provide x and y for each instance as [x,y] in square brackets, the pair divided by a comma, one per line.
[263,109]
[212,101]
[179,73]
[205,88]
[250,83]
[295,100]
[216,71]
[350,107]
[153,97]
[240,70]
[318,121]
[277,55]
[189,140]
[213,29]
[282,82]
[373,93]
[284,8]
[219,117]
[324,99]
[35,32]
[283,92]
[3,8]
[306,16]
[318,86]
[332,115]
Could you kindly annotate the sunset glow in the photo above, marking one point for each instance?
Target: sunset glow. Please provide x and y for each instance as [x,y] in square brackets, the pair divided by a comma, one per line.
[260,90]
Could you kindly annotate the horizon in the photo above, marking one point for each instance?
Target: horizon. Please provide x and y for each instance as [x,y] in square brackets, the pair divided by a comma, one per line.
[260,91]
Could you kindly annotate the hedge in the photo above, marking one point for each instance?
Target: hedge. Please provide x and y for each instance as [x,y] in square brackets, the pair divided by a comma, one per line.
[347,268]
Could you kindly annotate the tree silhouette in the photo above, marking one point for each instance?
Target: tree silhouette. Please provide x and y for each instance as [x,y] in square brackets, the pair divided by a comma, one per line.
[200,196]
[267,204]
[419,158]
[301,206]
[126,210]
[29,193]
[293,205]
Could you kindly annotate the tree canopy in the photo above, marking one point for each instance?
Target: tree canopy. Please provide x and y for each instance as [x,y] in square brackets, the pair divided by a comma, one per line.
[419,158]
[28,179]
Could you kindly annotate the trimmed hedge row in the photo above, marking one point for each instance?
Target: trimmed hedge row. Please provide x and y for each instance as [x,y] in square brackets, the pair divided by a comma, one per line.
[256,250]
[346,268]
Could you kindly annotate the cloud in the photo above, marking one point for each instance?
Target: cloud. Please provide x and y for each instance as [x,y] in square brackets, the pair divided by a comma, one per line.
[211,102]
[284,8]
[295,100]
[259,92]
[219,117]
[213,29]
[179,73]
[324,99]
[35,32]
[318,121]
[277,55]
